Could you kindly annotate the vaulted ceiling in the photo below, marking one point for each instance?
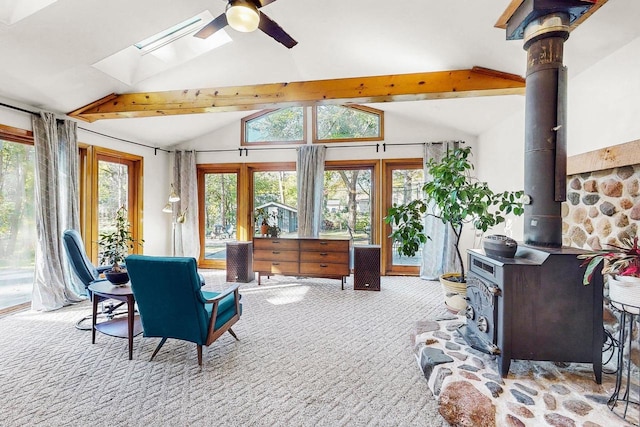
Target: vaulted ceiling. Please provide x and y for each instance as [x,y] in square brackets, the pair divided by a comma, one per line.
[49,56]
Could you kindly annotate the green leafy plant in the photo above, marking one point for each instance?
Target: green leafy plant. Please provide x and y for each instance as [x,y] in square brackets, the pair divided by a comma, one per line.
[456,198]
[266,219]
[622,259]
[262,215]
[115,244]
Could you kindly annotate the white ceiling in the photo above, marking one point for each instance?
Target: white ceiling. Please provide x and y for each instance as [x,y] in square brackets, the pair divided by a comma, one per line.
[47,56]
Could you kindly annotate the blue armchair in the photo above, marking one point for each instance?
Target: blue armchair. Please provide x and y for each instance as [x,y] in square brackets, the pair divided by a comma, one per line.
[82,266]
[172,305]
[86,272]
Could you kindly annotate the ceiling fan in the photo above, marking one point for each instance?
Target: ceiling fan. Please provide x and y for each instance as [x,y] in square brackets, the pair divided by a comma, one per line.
[244,16]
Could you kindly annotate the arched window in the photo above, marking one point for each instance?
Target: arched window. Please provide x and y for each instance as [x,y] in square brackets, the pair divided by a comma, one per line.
[337,123]
[281,126]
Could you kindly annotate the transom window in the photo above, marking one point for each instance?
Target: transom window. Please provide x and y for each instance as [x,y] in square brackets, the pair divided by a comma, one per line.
[335,123]
[331,123]
[282,126]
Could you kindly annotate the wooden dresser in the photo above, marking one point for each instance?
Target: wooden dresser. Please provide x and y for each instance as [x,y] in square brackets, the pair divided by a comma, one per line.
[301,257]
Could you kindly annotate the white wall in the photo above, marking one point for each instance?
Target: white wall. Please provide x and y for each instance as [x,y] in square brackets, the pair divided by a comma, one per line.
[603,110]
[157,225]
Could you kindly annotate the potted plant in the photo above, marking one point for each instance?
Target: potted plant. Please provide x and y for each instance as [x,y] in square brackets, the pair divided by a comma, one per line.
[456,198]
[266,229]
[262,215]
[621,263]
[115,246]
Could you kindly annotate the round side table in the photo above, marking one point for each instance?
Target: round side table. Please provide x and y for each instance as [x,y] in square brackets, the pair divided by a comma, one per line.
[626,394]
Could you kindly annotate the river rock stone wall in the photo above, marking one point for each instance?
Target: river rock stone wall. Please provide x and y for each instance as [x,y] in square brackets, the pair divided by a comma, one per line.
[601,208]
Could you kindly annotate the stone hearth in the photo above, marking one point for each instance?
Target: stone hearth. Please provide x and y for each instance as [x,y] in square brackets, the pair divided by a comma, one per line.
[471,392]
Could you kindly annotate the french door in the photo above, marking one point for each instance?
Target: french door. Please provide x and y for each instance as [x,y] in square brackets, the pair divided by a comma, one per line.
[219,213]
[403,179]
[109,180]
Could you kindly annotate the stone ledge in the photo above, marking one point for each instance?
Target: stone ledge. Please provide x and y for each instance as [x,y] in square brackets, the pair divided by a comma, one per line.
[471,392]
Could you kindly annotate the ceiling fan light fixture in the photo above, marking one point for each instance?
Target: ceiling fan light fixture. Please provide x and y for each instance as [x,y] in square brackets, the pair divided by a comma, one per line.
[242,16]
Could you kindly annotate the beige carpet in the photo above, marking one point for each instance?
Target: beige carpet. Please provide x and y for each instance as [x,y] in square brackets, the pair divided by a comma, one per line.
[309,355]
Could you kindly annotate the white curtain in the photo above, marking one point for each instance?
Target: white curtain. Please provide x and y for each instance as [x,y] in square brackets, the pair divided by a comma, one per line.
[56,191]
[310,172]
[438,254]
[187,235]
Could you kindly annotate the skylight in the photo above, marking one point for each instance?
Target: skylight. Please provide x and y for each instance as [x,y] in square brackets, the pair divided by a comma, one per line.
[161,51]
[170,34]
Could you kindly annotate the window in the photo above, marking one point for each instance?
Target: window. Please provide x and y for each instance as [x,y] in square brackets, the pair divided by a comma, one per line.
[348,207]
[276,191]
[17,222]
[282,126]
[159,52]
[336,123]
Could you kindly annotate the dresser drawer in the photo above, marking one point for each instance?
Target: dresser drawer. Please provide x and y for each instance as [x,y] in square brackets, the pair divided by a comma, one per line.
[324,269]
[275,244]
[325,257]
[324,245]
[276,255]
[275,267]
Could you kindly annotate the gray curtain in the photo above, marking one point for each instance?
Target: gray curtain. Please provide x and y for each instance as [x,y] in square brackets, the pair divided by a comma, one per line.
[187,233]
[56,191]
[438,254]
[310,172]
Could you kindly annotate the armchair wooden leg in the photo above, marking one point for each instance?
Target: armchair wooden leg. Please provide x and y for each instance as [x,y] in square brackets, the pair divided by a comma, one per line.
[158,348]
[200,355]
[233,334]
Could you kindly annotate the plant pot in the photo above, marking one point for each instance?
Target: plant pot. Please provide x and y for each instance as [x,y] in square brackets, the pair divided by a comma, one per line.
[117,277]
[263,229]
[624,293]
[455,293]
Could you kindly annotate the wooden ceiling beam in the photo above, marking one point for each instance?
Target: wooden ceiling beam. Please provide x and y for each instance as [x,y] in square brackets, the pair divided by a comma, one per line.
[402,87]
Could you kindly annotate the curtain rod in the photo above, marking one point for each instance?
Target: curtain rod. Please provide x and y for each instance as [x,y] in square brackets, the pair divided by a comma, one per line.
[229,150]
[246,150]
[156,149]
[35,113]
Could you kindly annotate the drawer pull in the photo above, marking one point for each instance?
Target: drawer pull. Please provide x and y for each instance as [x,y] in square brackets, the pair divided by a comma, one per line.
[275,263]
[324,253]
[275,252]
[276,242]
[323,265]
[324,243]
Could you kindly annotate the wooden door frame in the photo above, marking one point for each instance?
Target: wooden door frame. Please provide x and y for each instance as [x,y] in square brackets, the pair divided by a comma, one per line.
[89,158]
[220,168]
[388,166]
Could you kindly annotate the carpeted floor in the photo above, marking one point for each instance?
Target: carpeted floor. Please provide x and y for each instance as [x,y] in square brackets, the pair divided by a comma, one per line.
[309,355]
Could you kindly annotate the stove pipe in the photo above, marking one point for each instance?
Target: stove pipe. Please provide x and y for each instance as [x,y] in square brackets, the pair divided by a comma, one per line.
[545,130]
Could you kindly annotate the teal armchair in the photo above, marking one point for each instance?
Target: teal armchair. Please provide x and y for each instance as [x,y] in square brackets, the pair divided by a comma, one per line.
[172,305]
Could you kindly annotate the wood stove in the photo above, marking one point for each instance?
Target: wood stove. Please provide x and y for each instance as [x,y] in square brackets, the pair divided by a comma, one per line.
[534,307]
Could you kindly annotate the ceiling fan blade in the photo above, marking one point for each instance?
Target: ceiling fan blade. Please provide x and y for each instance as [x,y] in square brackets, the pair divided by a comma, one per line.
[217,24]
[274,30]
[263,3]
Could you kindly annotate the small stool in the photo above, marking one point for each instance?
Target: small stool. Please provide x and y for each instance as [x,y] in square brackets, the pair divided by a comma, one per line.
[624,394]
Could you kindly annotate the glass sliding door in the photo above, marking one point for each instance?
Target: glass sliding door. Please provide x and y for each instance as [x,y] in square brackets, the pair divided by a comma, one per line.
[403,181]
[220,214]
[276,191]
[109,180]
[113,191]
[347,204]
[17,223]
